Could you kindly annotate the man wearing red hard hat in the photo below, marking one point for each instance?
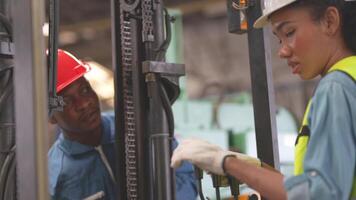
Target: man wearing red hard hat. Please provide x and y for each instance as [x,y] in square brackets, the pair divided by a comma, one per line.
[82,158]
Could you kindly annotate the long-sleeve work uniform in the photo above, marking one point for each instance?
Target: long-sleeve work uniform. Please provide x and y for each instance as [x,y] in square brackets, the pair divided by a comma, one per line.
[330,158]
[77,171]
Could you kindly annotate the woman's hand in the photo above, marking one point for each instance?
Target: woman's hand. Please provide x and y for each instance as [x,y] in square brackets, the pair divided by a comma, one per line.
[206,156]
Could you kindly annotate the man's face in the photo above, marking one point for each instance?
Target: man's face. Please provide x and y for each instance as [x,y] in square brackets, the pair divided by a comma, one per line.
[81,113]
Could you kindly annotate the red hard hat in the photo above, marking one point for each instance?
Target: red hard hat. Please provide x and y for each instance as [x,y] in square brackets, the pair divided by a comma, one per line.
[69,69]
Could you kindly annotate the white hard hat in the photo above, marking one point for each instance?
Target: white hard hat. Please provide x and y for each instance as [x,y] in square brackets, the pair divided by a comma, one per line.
[270,6]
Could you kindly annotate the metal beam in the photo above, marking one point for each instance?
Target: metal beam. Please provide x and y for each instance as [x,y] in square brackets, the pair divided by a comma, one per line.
[30,100]
[262,89]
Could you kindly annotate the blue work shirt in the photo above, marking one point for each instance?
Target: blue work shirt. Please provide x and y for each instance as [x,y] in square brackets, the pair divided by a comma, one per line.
[330,161]
[76,171]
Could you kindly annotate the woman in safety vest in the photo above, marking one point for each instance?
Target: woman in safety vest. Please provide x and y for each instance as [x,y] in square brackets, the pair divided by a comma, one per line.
[317,37]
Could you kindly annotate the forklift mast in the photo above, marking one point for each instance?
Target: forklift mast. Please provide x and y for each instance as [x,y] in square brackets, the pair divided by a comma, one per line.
[145,88]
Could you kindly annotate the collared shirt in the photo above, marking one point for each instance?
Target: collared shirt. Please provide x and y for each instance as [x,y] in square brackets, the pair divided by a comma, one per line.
[330,161]
[77,171]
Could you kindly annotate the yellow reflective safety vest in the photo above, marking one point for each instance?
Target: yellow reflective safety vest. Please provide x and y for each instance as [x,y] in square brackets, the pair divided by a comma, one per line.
[348,66]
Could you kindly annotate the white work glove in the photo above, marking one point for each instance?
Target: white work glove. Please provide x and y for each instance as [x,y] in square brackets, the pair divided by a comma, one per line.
[206,156]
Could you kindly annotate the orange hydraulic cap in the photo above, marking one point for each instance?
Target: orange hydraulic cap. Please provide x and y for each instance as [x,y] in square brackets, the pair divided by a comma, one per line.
[69,69]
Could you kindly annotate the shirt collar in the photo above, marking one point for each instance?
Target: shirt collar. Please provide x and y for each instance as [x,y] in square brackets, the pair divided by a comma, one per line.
[74,148]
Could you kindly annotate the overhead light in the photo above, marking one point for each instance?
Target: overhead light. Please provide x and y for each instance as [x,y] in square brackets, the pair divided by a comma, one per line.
[45,29]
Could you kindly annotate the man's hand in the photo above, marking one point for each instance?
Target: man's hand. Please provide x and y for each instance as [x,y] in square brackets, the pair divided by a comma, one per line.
[206,156]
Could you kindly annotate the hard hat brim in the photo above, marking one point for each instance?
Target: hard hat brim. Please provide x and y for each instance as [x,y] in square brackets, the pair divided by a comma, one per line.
[263,20]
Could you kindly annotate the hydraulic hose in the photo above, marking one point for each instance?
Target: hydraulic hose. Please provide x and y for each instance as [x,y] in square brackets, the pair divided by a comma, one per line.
[7,174]
[167,108]
[8,86]
[7,134]
[53,56]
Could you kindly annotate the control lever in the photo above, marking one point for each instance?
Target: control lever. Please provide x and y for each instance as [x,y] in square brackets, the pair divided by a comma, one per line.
[199,176]
[222,181]
[234,187]
[219,181]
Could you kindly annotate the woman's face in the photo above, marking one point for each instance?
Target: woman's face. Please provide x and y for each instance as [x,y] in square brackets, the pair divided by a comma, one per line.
[303,42]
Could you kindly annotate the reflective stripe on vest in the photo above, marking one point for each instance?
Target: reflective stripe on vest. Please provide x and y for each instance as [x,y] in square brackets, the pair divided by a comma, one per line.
[348,66]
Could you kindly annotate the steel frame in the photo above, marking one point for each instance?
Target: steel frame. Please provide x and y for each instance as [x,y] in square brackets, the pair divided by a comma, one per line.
[262,89]
[30,98]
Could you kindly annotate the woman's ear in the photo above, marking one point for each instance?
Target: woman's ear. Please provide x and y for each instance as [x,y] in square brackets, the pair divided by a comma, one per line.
[332,21]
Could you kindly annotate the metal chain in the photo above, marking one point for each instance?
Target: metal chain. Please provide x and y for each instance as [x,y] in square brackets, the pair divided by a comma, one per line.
[130,125]
[147,21]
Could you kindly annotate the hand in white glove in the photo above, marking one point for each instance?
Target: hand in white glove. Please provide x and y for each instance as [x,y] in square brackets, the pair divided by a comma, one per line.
[206,156]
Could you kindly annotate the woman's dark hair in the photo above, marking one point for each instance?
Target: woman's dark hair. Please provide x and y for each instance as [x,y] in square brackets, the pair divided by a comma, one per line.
[347,10]
[349,24]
